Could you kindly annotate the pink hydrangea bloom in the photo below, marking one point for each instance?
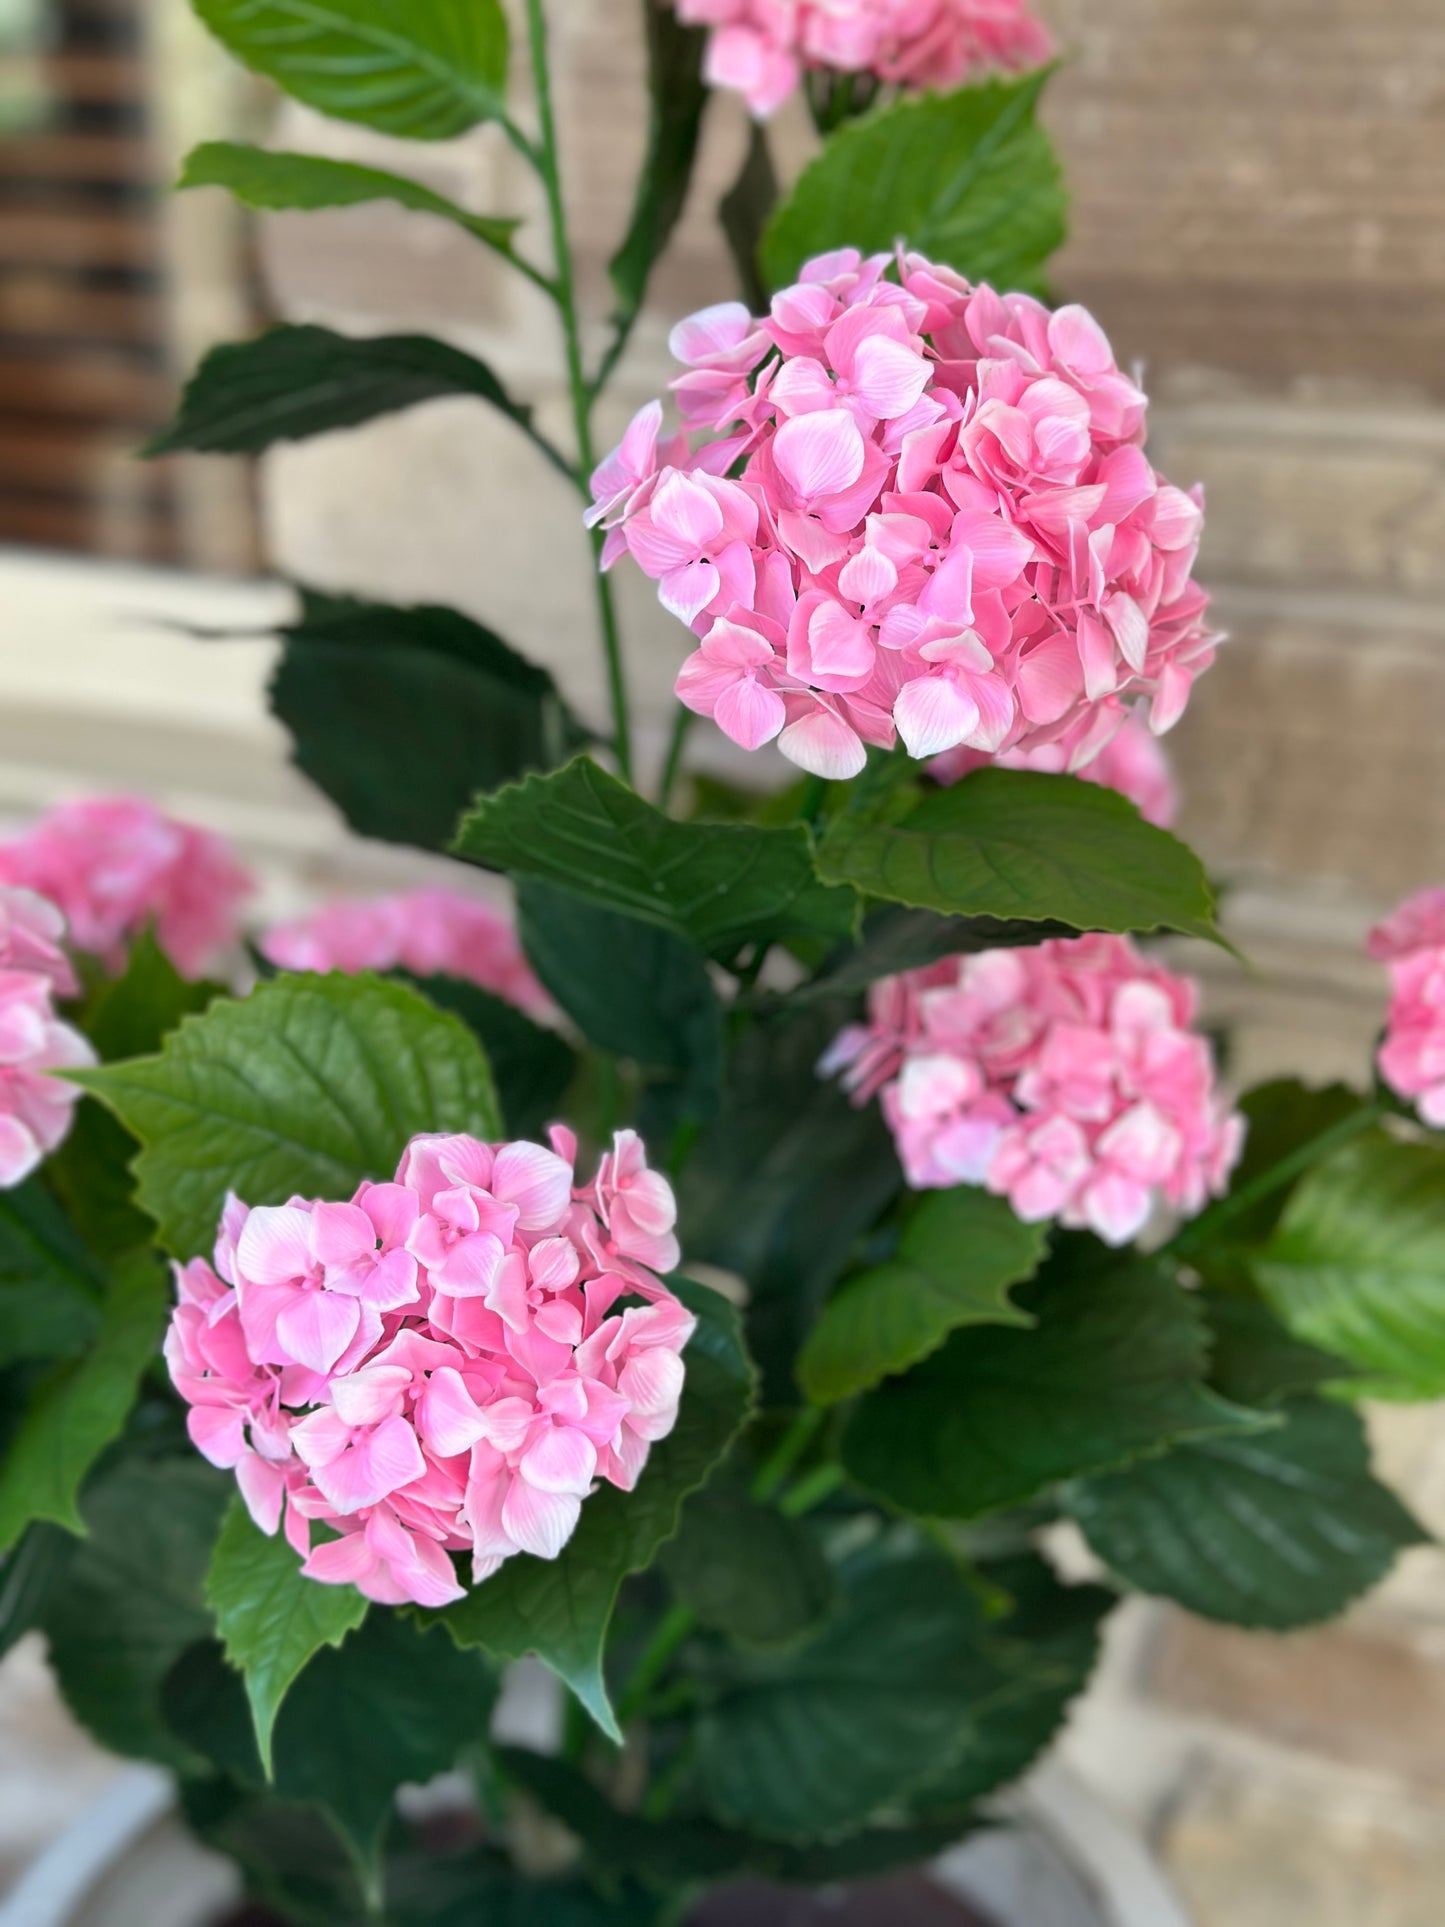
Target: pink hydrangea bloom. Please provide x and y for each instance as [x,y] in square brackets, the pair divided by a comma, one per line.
[115,864]
[440,1364]
[1412,1057]
[35,1107]
[1134,762]
[430,932]
[32,937]
[1066,1078]
[760,48]
[914,508]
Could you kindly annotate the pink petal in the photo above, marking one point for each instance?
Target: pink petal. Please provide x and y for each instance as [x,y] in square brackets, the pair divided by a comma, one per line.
[803,387]
[687,511]
[317,1326]
[820,454]
[341,1562]
[934,713]
[749,712]
[341,1233]
[370,1395]
[370,1471]
[562,1460]
[702,338]
[217,1433]
[889,377]
[824,745]
[536,1181]
[274,1247]
[686,591]
[867,577]
[263,1487]
[540,1522]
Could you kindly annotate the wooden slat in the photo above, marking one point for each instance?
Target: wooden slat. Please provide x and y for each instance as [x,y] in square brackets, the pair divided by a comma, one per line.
[53,304]
[78,158]
[139,531]
[76,240]
[66,457]
[95,78]
[79,385]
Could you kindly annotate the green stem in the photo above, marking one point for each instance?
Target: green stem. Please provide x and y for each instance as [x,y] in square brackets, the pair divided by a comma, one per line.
[810,803]
[1195,1236]
[820,1484]
[546,161]
[657,1656]
[682,724]
[786,1453]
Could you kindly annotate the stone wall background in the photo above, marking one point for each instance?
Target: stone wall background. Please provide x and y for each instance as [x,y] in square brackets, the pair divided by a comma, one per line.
[1259,215]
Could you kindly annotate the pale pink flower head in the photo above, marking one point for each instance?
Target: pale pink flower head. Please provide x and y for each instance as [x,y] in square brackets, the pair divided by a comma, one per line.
[431,932]
[112,865]
[1416,924]
[36,1107]
[761,48]
[1064,1077]
[1133,761]
[436,1366]
[32,936]
[1412,1057]
[916,508]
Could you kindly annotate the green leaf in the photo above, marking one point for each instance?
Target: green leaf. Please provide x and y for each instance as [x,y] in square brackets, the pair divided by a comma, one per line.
[128,1016]
[560,1609]
[718,886]
[305,1087]
[894,939]
[1039,1660]
[298,381]
[806,1744]
[271,1620]
[532,1066]
[1291,1126]
[28,1576]
[1279,1530]
[675,1853]
[131,1602]
[747,1571]
[262,177]
[1016,845]
[290,1861]
[967,178]
[744,213]
[783,1184]
[80,1407]
[401,715]
[960,1255]
[389,1705]
[1357,1264]
[50,1290]
[677,98]
[630,988]
[1254,1360]
[420,69]
[1113,1372]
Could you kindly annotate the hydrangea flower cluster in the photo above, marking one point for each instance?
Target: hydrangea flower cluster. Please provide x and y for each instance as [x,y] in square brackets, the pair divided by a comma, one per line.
[1412,1057]
[761,47]
[439,1364]
[115,864]
[35,1107]
[1065,1078]
[914,508]
[1134,762]
[430,932]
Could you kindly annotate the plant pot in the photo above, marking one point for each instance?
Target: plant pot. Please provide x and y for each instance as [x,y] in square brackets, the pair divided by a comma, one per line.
[1063,1860]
